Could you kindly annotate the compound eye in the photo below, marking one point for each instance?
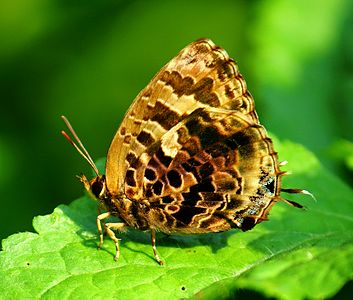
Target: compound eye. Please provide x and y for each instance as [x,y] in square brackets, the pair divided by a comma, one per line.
[97,187]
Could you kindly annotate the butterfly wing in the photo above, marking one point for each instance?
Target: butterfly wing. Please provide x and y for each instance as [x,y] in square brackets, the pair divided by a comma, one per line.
[214,170]
[201,76]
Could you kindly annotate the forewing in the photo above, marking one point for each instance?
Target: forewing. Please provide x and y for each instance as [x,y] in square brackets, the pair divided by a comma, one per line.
[214,170]
[201,76]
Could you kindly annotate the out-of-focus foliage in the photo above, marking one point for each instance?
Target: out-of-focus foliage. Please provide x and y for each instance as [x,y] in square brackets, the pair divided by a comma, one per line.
[89,59]
[342,150]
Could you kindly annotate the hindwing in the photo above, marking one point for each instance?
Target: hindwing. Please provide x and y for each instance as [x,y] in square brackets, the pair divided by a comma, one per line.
[214,170]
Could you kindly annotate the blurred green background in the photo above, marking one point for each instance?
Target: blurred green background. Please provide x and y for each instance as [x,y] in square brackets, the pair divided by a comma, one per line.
[89,59]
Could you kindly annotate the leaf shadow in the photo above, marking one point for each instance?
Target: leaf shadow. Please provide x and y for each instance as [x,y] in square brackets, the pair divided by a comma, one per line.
[215,241]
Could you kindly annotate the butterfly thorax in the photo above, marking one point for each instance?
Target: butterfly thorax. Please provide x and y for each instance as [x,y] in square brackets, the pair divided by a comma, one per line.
[131,212]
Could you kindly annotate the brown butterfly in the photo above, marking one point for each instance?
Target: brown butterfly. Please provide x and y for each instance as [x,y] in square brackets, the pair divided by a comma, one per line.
[190,155]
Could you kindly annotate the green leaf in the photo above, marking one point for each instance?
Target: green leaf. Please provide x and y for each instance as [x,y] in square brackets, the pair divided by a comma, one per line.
[297,254]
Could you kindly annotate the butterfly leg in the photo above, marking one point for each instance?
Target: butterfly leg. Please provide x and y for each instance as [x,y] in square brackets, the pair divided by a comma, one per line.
[153,239]
[99,209]
[100,218]
[109,229]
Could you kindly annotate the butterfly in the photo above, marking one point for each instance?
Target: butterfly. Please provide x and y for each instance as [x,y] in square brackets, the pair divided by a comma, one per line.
[190,155]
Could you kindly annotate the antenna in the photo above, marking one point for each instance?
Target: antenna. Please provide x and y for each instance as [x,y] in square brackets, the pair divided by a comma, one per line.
[80,148]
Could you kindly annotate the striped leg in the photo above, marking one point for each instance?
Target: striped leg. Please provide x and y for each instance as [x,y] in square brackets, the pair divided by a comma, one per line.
[153,240]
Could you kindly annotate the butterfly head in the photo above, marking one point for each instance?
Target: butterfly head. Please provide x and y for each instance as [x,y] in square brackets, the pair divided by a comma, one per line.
[96,187]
